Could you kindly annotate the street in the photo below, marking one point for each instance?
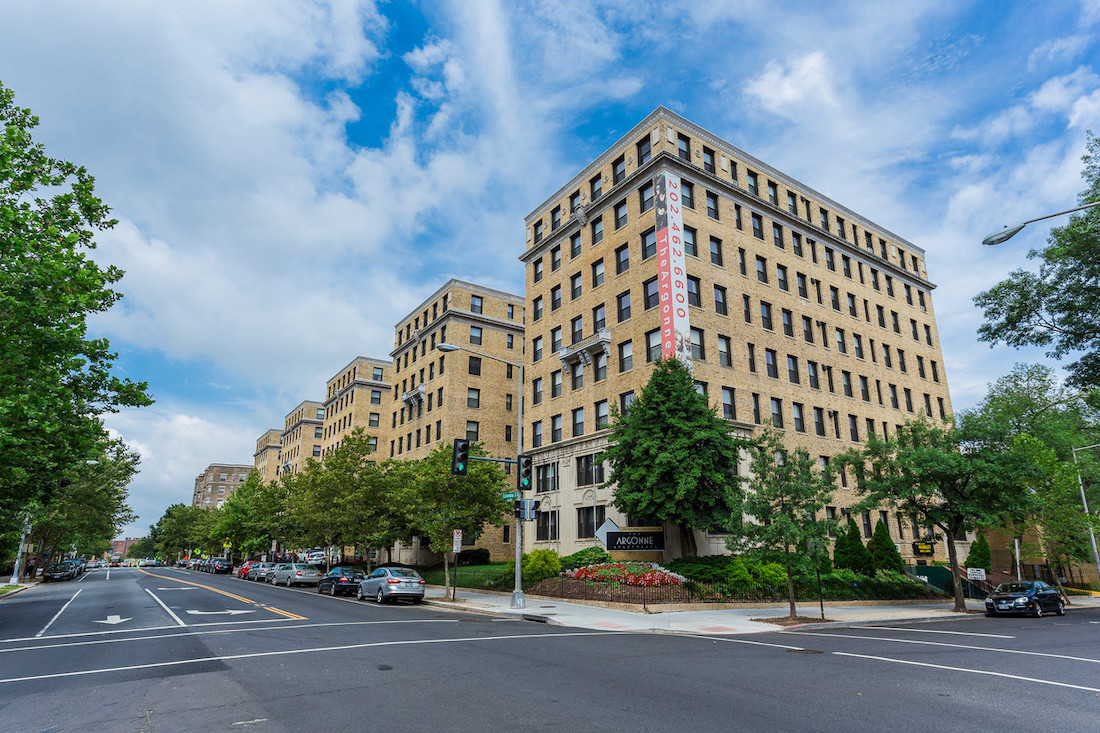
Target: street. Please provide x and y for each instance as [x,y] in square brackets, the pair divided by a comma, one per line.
[161,649]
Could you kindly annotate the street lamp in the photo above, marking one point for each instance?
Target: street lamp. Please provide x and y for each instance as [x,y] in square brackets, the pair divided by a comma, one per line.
[1009,232]
[518,599]
[1085,502]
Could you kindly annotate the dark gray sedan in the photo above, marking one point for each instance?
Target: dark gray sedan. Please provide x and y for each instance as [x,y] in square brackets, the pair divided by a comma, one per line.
[385,584]
[1031,597]
[341,580]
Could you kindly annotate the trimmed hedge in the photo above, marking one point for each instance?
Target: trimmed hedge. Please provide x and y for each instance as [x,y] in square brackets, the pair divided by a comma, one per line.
[587,556]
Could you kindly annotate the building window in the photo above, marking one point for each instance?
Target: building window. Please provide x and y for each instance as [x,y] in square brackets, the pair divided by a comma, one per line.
[650,294]
[770,361]
[618,169]
[620,216]
[536,391]
[471,430]
[754,183]
[575,286]
[601,414]
[595,187]
[687,194]
[773,193]
[729,406]
[473,397]
[622,259]
[536,434]
[712,205]
[752,357]
[626,399]
[808,329]
[766,315]
[599,318]
[546,478]
[590,470]
[720,300]
[575,245]
[538,232]
[788,322]
[536,270]
[761,269]
[792,369]
[375,397]
[623,306]
[555,383]
[597,231]
[715,251]
[546,526]
[799,419]
[819,421]
[626,356]
[555,259]
[645,151]
[777,412]
[597,273]
[475,303]
[578,421]
[475,366]
[708,160]
[698,347]
[373,420]
[475,335]
[555,339]
[649,243]
[695,297]
[536,348]
[576,375]
[757,226]
[555,297]
[537,308]
[555,429]
[690,248]
[555,218]
[653,345]
[683,147]
[589,519]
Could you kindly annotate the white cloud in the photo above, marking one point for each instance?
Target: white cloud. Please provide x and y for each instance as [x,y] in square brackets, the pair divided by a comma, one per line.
[793,88]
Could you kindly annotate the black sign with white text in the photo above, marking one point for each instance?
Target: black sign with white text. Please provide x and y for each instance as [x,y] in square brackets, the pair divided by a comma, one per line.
[635,541]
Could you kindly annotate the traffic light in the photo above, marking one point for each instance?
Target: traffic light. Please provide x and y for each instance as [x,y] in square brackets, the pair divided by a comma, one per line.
[517,508]
[523,474]
[460,460]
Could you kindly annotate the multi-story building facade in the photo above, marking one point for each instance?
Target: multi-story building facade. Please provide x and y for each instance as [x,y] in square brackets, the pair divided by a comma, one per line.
[217,483]
[800,312]
[357,396]
[302,436]
[265,461]
[439,396]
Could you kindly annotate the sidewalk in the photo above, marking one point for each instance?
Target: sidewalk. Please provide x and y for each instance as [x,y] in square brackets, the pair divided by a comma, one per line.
[718,621]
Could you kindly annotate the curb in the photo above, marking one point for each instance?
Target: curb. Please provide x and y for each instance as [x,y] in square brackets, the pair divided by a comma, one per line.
[17,591]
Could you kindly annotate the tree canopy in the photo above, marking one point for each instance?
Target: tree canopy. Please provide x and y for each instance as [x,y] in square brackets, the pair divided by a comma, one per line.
[1057,306]
[956,478]
[55,381]
[673,458]
[783,507]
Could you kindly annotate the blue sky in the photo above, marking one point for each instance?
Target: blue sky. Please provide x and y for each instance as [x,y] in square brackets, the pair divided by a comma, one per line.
[291,177]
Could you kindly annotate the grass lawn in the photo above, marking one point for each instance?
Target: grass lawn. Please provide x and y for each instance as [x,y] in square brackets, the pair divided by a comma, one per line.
[491,576]
[6,588]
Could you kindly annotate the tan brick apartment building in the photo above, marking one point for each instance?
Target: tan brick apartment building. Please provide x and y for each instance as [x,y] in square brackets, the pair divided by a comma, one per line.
[357,396]
[302,436]
[437,397]
[802,312]
[217,483]
[265,461]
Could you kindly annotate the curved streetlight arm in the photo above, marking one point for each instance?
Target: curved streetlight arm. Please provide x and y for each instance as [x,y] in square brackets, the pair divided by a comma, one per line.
[1009,232]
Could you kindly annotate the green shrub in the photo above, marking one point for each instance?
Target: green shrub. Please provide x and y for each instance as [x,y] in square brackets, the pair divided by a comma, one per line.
[475,556]
[537,565]
[587,556]
[883,550]
[980,556]
[705,569]
[851,554]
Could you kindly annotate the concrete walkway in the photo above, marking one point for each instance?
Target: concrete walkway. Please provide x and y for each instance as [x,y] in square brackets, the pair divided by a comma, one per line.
[740,620]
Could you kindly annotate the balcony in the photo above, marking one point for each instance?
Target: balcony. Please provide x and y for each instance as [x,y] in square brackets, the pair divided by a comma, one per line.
[588,347]
[414,396]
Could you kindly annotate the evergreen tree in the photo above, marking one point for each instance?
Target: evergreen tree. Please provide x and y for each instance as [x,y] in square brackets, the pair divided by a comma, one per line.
[980,556]
[884,553]
[673,459]
[851,553]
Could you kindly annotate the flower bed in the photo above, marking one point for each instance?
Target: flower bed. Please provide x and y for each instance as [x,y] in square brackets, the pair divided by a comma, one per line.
[627,573]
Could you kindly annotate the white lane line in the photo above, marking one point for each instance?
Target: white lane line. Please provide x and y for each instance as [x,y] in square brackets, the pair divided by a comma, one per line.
[969,671]
[43,631]
[744,641]
[180,587]
[950,646]
[311,650]
[108,574]
[935,631]
[167,610]
[280,626]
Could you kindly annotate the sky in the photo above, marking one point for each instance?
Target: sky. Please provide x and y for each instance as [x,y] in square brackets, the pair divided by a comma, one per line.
[292,177]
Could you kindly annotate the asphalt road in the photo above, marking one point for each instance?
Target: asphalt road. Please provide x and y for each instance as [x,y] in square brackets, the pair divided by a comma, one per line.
[170,650]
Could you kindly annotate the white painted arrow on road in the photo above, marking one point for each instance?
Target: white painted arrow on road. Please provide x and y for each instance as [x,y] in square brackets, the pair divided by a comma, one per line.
[228,611]
[115,619]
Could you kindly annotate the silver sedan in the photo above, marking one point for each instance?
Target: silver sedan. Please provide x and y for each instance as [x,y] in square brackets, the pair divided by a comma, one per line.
[295,573]
[385,584]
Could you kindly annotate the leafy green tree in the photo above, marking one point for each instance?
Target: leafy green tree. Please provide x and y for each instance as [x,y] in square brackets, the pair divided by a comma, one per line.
[54,380]
[783,508]
[254,516]
[313,504]
[955,478]
[980,555]
[1057,306]
[672,457]
[372,518]
[184,529]
[144,547]
[884,553]
[438,503]
[850,552]
[89,506]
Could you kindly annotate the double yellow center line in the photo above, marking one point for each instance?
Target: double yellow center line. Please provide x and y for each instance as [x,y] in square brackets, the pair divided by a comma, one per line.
[234,596]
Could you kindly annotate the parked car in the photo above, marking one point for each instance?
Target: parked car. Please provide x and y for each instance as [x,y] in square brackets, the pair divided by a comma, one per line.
[1027,596]
[76,565]
[61,571]
[385,584]
[221,565]
[242,569]
[341,580]
[295,573]
[260,571]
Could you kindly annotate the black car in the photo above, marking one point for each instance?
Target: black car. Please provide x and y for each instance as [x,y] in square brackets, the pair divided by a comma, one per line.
[341,580]
[219,565]
[63,571]
[1025,596]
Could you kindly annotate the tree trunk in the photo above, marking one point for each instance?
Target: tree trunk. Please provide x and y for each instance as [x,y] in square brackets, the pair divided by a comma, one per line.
[687,542]
[790,582]
[1054,574]
[956,581]
[446,576]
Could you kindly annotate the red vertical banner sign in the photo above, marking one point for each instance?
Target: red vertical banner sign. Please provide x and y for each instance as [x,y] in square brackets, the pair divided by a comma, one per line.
[671,270]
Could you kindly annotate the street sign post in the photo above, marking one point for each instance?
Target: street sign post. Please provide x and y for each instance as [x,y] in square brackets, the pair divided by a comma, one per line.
[457,546]
[509,495]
